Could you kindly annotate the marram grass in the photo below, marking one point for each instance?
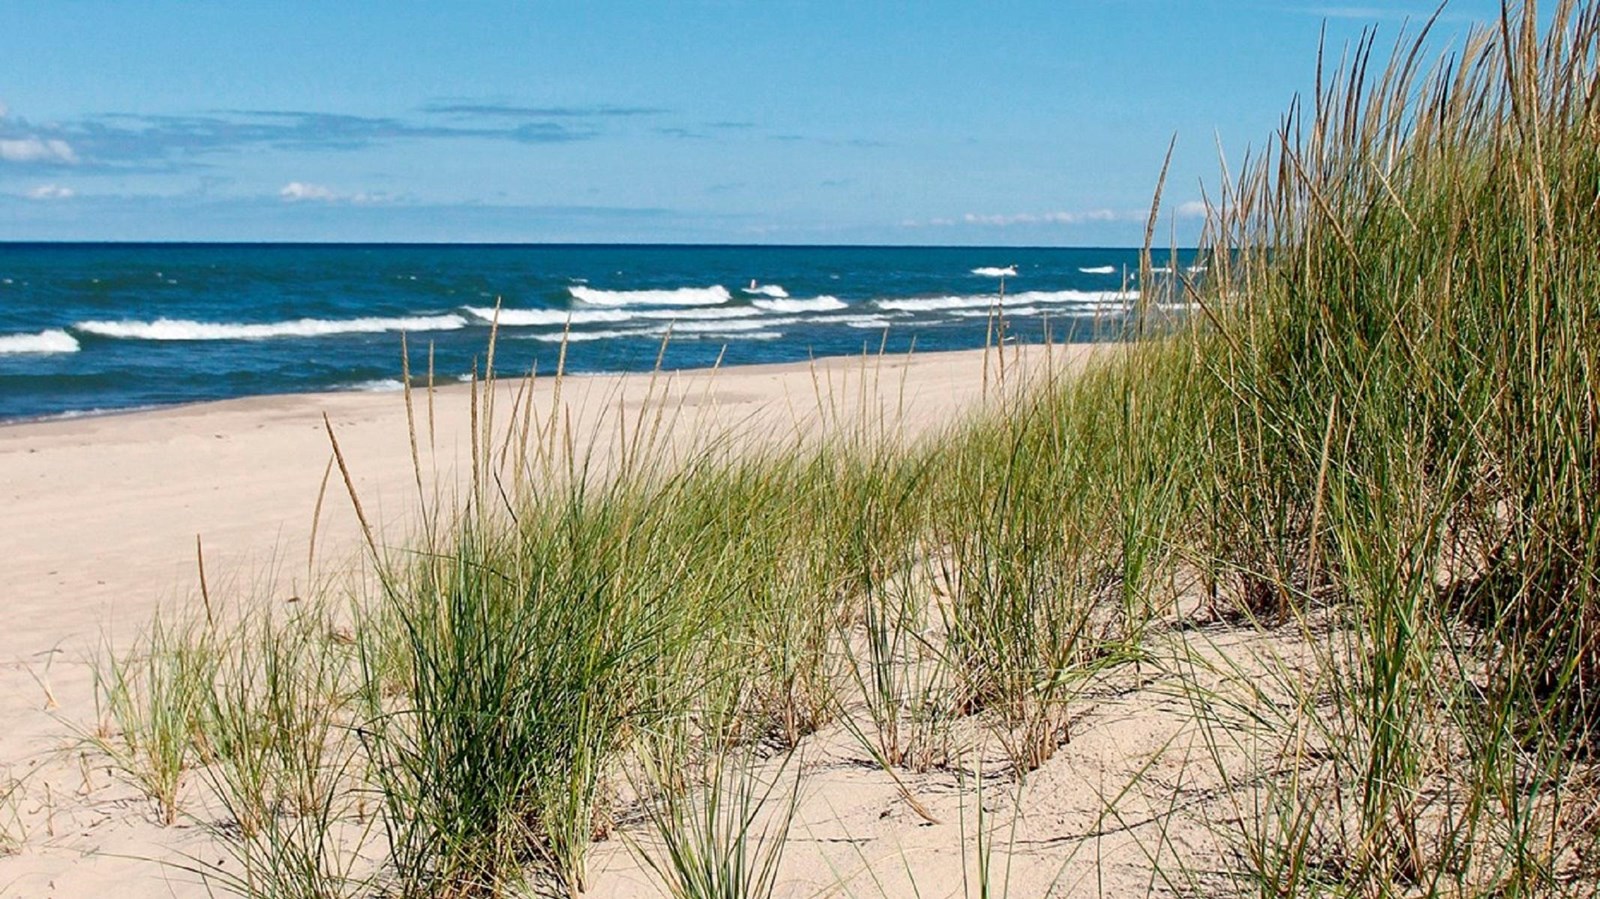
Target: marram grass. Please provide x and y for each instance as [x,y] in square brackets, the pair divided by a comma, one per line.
[1375,438]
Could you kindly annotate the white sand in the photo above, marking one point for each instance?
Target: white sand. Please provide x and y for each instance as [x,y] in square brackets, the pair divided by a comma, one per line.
[98,524]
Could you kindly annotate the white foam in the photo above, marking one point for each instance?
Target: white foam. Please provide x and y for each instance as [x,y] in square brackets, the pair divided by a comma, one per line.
[382,385]
[710,313]
[726,335]
[682,296]
[54,340]
[582,336]
[990,271]
[1091,298]
[815,304]
[766,290]
[875,322]
[180,329]
[1019,311]
[1099,270]
[1195,269]
[537,317]
[725,327]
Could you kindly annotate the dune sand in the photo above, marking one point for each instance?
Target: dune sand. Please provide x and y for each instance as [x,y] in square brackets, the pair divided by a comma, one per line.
[99,519]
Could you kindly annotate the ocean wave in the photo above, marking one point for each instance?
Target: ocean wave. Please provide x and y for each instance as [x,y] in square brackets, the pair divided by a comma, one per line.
[545,317]
[702,313]
[382,385]
[1099,270]
[1089,298]
[725,327]
[586,336]
[54,340]
[180,329]
[990,271]
[815,304]
[766,290]
[1018,312]
[682,296]
[725,335]
[874,322]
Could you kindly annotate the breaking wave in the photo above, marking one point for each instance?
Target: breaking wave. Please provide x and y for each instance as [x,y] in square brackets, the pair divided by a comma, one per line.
[181,329]
[766,290]
[1097,299]
[815,304]
[537,317]
[54,340]
[682,296]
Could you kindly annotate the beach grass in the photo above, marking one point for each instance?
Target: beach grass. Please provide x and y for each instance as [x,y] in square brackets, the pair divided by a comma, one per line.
[1372,448]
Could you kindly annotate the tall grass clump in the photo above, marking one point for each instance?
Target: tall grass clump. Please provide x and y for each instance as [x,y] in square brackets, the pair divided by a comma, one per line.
[283,758]
[1050,513]
[152,703]
[722,836]
[532,651]
[1402,409]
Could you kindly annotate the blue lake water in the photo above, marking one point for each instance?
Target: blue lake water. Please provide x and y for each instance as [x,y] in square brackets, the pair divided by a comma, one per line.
[102,327]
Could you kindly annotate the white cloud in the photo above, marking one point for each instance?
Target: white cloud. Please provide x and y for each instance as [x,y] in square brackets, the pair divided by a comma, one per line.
[32,149]
[1042,218]
[1194,209]
[51,192]
[298,191]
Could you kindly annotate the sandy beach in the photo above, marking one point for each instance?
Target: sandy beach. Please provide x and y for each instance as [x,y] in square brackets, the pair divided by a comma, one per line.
[101,518]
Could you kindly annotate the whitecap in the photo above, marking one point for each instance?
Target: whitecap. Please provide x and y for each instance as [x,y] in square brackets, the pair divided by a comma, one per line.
[874,322]
[537,317]
[1020,312]
[766,290]
[381,385]
[180,329]
[725,335]
[815,304]
[1091,298]
[54,340]
[583,336]
[725,327]
[1099,270]
[681,296]
[704,313]
[990,271]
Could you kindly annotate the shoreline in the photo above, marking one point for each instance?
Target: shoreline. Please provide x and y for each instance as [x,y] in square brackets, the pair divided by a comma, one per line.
[458,384]
[71,475]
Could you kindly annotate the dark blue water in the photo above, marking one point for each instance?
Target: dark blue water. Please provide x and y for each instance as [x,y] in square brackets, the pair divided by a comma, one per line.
[104,327]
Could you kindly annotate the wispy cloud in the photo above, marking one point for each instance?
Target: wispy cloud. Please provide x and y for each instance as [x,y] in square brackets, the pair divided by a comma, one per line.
[860,142]
[1191,209]
[51,192]
[484,109]
[123,141]
[31,148]
[1006,220]
[304,191]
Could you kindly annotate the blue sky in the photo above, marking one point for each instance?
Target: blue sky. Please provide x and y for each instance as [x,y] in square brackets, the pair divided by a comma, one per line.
[780,121]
